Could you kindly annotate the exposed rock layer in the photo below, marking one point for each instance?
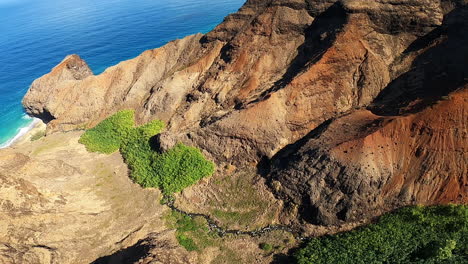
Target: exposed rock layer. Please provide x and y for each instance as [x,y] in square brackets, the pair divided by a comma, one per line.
[362,164]
[302,72]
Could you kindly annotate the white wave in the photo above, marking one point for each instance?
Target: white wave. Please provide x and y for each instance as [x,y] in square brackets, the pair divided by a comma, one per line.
[21,132]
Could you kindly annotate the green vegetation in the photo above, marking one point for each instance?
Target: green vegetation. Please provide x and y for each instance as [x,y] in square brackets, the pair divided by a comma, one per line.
[243,219]
[192,233]
[437,234]
[178,168]
[229,256]
[239,202]
[108,135]
[172,171]
[266,247]
[38,135]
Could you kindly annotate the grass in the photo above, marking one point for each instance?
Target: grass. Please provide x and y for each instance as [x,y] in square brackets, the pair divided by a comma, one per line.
[191,233]
[266,247]
[437,234]
[238,201]
[241,218]
[172,171]
[228,256]
[38,135]
[194,235]
[47,146]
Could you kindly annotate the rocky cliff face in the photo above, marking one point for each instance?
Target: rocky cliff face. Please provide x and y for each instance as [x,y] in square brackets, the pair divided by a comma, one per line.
[342,101]
[61,204]
[362,164]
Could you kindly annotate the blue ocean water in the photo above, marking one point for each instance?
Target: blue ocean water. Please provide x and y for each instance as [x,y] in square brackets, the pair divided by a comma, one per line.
[36,35]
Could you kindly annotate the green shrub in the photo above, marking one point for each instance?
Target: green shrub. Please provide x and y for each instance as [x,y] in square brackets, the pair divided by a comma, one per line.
[152,128]
[107,136]
[437,234]
[191,232]
[178,168]
[186,242]
[172,171]
[138,154]
[266,247]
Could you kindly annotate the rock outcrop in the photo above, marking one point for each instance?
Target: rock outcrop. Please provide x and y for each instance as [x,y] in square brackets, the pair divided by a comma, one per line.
[344,97]
[61,204]
[362,164]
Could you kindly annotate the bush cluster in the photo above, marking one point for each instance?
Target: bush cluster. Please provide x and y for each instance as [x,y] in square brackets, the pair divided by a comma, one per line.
[437,234]
[266,247]
[172,171]
[191,232]
[186,224]
[107,136]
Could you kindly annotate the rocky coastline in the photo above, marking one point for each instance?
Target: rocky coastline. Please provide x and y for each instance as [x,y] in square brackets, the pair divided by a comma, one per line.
[320,115]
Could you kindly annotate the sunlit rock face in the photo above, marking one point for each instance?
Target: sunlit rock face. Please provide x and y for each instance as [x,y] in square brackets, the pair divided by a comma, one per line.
[342,99]
[61,204]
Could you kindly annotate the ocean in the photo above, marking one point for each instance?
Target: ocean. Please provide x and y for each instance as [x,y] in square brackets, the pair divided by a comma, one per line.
[35,35]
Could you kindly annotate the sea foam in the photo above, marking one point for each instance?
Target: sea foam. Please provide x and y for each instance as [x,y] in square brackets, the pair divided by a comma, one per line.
[21,131]
[37,35]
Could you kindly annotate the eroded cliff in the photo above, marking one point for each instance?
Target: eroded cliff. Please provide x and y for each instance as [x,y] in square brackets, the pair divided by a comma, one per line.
[61,204]
[346,108]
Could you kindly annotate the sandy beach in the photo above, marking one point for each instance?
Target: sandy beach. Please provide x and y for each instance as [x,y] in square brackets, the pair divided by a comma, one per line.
[36,127]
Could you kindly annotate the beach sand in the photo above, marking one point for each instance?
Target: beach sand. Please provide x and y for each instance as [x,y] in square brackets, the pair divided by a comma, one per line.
[38,127]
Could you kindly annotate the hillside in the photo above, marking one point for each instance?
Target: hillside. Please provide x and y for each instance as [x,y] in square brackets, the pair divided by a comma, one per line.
[319,115]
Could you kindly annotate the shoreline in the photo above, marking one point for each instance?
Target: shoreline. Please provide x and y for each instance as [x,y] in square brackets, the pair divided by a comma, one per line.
[25,134]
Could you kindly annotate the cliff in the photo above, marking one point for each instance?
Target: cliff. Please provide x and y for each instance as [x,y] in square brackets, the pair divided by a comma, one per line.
[271,73]
[61,204]
[346,108]
[362,164]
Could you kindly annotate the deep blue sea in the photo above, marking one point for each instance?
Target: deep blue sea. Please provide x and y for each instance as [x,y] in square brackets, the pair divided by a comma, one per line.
[35,35]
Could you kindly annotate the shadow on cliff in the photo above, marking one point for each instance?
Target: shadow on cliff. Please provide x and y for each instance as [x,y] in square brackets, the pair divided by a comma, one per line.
[319,37]
[288,257]
[438,70]
[284,158]
[283,259]
[128,255]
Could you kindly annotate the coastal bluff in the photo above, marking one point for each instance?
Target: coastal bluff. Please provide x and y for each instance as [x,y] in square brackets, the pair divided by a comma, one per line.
[61,204]
[338,111]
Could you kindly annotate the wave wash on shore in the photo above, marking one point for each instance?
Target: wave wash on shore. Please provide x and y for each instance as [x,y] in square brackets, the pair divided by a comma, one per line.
[30,122]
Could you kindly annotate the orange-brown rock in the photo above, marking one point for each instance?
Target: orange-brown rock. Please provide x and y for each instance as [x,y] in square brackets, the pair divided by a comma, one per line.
[280,71]
[363,164]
